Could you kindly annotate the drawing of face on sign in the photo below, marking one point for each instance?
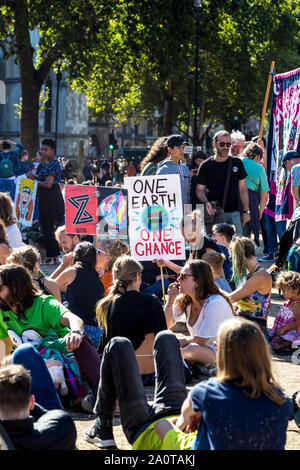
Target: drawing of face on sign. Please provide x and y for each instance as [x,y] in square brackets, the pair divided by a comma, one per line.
[24,204]
[112,211]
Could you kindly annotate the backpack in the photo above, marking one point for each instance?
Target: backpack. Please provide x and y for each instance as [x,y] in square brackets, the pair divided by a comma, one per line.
[6,167]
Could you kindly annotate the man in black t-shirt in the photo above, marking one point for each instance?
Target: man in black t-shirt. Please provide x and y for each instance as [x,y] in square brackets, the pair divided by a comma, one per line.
[211,181]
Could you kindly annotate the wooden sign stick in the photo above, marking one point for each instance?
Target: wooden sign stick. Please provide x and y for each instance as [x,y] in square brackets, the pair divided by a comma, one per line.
[162,284]
[266,100]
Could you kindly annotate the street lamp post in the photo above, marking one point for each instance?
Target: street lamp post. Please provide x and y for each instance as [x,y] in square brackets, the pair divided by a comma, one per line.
[197,5]
[58,80]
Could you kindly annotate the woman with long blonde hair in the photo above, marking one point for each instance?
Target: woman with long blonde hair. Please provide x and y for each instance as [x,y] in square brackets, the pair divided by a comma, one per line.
[253,283]
[127,312]
[243,407]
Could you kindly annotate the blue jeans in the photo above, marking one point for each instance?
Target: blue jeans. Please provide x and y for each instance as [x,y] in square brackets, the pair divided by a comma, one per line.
[8,186]
[234,218]
[274,230]
[120,379]
[42,386]
[94,332]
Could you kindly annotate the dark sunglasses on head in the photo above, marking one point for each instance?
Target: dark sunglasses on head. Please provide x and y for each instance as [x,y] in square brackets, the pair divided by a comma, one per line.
[222,144]
[183,276]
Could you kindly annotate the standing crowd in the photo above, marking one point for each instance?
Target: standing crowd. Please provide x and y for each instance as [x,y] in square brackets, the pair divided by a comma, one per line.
[92,334]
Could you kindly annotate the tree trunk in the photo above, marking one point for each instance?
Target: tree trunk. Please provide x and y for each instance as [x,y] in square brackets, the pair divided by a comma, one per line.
[30,116]
[167,108]
[31,79]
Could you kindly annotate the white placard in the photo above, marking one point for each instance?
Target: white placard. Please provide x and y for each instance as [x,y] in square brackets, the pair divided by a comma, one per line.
[155,213]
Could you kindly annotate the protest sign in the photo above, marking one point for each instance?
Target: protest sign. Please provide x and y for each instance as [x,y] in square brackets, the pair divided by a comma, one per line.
[155,212]
[81,209]
[96,210]
[24,201]
[112,212]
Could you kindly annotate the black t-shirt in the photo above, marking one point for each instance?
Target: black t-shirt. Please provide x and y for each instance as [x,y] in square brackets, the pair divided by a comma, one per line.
[133,315]
[213,175]
[83,294]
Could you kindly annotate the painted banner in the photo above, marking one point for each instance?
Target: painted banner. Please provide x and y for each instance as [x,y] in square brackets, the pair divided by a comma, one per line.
[96,210]
[24,201]
[155,212]
[283,136]
[112,213]
[81,209]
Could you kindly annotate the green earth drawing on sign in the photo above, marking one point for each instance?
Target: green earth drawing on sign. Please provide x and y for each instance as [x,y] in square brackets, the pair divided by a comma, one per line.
[155,218]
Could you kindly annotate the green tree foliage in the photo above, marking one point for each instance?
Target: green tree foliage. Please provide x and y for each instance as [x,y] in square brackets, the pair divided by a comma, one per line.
[67,29]
[149,61]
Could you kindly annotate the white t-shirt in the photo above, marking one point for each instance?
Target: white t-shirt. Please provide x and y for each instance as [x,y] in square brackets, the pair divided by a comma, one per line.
[214,312]
[14,236]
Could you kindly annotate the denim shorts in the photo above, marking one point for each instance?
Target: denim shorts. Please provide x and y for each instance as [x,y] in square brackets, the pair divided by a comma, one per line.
[94,332]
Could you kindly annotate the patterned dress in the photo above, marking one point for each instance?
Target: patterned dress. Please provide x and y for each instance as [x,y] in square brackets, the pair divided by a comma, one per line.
[285,317]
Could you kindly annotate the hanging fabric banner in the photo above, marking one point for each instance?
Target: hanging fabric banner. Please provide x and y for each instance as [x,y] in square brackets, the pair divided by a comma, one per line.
[283,136]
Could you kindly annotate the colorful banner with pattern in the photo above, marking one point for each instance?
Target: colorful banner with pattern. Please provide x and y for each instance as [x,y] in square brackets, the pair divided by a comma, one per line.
[96,210]
[283,136]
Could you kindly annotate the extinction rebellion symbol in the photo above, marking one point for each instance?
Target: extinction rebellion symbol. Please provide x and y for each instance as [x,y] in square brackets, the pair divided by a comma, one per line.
[80,203]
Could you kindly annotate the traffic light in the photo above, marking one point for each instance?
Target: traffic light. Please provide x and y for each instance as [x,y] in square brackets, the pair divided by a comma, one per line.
[112,142]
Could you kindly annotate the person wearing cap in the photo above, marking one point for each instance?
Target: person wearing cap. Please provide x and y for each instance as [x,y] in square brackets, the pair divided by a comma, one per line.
[291,161]
[173,165]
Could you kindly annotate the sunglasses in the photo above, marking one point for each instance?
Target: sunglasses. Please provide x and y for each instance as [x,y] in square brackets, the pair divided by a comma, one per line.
[103,252]
[182,276]
[222,144]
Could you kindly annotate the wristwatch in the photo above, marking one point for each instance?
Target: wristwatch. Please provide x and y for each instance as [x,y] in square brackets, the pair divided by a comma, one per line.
[246,212]
[80,332]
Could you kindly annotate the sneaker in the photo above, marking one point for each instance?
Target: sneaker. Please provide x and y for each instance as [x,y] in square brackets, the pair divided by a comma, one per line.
[267,258]
[101,434]
[88,403]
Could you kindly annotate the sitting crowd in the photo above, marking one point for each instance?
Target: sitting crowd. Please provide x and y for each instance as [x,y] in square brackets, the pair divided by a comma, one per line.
[89,336]
[71,321]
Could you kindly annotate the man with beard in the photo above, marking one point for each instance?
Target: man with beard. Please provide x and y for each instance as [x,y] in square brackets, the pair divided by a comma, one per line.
[67,243]
[213,174]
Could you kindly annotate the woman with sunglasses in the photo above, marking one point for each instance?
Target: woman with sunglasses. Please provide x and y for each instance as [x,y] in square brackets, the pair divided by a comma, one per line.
[198,301]
[83,288]
[127,312]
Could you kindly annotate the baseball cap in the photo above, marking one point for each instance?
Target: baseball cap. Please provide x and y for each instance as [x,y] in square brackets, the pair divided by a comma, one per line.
[290,155]
[175,140]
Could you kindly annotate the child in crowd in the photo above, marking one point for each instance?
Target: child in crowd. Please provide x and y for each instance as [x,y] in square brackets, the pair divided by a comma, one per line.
[286,328]
[216,262]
